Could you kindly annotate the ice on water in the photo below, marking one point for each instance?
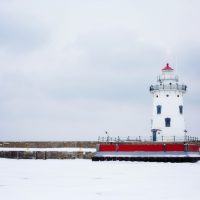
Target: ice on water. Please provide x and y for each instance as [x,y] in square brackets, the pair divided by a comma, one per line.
[84,179]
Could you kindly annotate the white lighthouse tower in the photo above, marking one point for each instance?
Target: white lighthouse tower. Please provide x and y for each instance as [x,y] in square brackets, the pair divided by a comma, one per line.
[168,113]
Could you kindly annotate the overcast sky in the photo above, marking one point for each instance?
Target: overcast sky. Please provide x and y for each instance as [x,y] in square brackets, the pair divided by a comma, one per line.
[72,69]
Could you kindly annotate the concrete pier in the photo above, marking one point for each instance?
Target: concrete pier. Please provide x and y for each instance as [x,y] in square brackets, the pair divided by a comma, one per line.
[13,150]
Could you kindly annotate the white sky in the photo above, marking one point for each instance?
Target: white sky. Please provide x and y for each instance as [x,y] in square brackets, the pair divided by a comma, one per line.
[73,69]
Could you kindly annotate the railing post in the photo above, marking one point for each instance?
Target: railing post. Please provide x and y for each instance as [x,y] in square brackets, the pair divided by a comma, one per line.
[107,138]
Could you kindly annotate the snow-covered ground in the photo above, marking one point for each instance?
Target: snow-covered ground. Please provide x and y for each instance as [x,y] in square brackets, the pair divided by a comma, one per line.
[87,180]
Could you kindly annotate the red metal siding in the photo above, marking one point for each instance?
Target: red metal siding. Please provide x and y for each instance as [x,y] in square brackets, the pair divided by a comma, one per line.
[107,147]
[147,147]
[193,148]
[140,147]
[130,147]
[174,147]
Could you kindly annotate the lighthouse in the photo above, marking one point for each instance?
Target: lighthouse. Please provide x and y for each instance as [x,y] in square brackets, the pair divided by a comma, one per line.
[168,111]
[168,142]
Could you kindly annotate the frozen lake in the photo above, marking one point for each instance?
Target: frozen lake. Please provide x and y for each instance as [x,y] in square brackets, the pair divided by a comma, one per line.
[84,179]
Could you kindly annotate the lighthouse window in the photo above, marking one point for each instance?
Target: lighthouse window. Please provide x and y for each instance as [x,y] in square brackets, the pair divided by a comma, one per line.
[158,109]
[167,122]
[181,109]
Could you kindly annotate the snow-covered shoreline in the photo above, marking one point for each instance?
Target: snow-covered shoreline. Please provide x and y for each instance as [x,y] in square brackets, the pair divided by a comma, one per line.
[84,179]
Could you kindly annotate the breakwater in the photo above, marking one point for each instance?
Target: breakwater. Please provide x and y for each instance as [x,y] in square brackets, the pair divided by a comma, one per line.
[48,150]
[45,155]
[49,144]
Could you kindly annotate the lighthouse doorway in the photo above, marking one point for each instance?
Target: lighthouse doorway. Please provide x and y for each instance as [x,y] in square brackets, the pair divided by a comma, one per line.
[154,135]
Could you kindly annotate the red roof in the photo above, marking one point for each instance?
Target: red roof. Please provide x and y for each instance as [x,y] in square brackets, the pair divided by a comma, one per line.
[167,67]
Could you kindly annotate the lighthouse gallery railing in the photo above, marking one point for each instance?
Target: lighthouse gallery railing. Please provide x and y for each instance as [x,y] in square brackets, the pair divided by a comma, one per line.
[148,139]
[181,88]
